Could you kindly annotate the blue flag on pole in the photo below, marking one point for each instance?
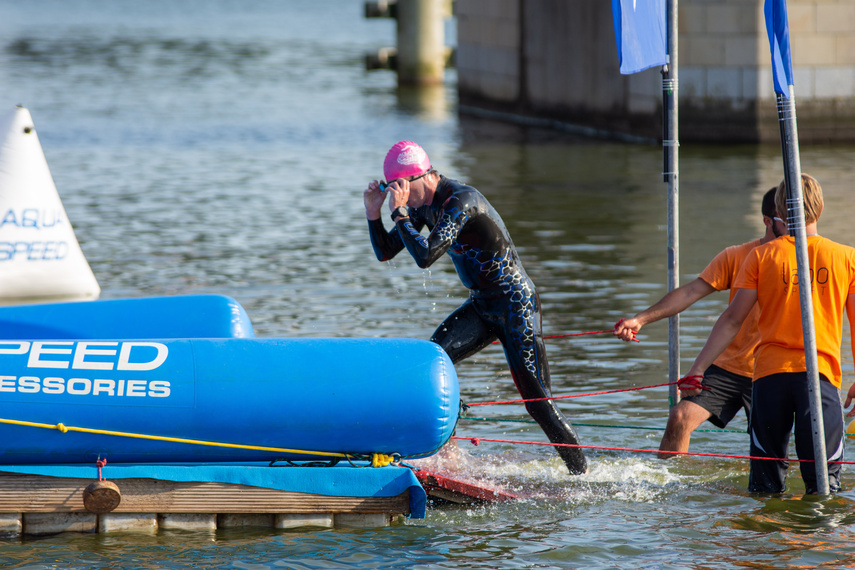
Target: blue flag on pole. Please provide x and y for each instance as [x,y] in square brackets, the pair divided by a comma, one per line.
[778,30]
[640,34]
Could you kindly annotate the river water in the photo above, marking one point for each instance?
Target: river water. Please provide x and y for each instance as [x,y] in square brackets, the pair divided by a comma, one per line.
[205,146]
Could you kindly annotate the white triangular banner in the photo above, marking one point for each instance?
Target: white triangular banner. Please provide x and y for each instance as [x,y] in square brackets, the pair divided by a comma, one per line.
[39,254]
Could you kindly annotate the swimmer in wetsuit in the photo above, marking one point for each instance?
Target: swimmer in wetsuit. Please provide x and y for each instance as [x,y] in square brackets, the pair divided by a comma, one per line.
[503,303]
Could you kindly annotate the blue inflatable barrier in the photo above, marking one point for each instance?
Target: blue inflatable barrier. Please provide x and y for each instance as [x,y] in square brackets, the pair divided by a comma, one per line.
[180,316]
[134,401]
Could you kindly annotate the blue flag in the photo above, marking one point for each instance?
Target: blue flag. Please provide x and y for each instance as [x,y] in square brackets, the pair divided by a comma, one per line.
[640,34]
[778,29]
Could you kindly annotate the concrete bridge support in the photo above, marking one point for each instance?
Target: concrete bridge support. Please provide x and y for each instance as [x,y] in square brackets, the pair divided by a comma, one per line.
[556,59]
[420,56]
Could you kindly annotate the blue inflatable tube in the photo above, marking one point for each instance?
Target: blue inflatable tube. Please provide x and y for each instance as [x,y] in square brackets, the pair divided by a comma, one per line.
[303,399]
[179,316]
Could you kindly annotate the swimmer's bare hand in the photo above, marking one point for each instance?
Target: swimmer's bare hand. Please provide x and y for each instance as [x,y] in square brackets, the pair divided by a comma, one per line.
[399,193]
[373,198]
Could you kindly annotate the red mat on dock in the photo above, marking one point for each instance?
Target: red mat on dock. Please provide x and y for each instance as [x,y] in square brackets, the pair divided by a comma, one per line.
[457,491]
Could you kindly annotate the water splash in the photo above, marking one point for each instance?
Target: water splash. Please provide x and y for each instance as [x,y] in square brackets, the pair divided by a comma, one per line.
[631,479]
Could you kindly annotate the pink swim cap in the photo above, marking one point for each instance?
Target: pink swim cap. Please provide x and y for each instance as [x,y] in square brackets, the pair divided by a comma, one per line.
[405,159]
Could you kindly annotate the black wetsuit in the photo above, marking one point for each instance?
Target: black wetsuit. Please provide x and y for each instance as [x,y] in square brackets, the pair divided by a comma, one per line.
[503,303]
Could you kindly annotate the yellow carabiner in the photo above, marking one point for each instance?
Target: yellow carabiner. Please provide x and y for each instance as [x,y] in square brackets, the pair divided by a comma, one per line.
[381,460]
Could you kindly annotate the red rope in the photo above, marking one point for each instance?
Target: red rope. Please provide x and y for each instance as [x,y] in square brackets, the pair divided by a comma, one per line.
[579,334]
[612,330]
[101,463]
[571,396]
[476,440]
[573,334]
[691,383]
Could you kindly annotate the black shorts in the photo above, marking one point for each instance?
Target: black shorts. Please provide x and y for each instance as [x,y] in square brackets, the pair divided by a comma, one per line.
[728,392]
[782,401]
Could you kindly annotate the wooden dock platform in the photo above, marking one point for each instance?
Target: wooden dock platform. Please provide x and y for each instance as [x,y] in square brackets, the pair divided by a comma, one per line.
[39,505]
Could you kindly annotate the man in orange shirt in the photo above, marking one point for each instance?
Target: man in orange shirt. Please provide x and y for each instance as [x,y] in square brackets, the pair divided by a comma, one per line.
[780,398]
[729,378]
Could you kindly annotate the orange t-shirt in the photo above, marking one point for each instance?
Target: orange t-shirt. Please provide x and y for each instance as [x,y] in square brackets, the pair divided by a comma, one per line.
[721,273]
[772,270]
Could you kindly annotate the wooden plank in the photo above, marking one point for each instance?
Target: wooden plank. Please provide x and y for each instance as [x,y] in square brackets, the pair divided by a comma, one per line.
[41,494]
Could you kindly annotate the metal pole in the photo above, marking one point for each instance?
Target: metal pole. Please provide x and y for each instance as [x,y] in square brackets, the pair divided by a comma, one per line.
[671,172]
[796,224]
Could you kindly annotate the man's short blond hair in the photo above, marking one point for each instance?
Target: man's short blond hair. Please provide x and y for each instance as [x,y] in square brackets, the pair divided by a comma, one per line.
[811,196]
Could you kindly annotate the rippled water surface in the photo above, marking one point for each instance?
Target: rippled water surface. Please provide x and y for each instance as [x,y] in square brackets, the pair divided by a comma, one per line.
[205,146]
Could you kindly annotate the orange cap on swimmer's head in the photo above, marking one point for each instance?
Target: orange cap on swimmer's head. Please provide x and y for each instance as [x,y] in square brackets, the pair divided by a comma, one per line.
[405,159]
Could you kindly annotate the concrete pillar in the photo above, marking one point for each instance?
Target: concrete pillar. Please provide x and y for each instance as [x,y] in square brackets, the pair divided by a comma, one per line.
[54,523]
[10,524]
[421,42]
[322,520]
[362,520]
[420,56]
[237,520]
[181,521]
[145,523]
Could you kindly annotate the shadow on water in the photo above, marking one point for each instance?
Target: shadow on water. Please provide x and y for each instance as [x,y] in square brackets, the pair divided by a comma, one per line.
[793,531]
[797,513]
